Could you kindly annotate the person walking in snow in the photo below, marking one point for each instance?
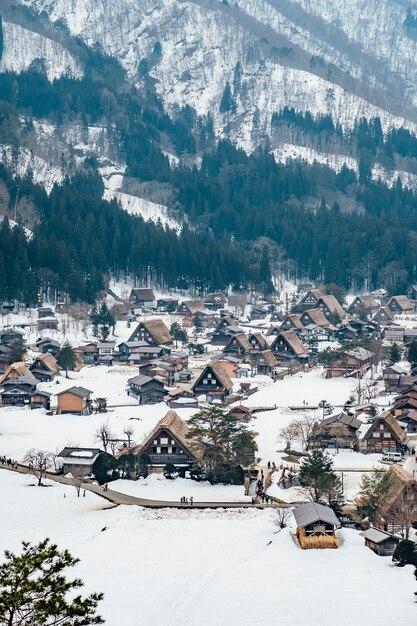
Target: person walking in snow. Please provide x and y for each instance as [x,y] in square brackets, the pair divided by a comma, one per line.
[191,500]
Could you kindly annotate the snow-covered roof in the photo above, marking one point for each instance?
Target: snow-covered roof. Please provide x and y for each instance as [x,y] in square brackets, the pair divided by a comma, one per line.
[313,512]
[376,536]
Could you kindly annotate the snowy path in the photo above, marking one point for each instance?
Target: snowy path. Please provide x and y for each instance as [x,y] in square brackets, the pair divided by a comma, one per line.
[117,498]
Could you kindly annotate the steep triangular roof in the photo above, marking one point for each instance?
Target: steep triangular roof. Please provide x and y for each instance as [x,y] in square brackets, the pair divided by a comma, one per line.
[317,317]
[15,370]
[48,361]
[293,341]
[220,373]
[175,425]
[391,423]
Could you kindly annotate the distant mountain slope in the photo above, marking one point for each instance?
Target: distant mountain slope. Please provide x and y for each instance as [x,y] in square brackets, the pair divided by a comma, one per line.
[350,59]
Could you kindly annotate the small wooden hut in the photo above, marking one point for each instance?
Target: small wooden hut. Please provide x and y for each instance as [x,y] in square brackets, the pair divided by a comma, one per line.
[316,526]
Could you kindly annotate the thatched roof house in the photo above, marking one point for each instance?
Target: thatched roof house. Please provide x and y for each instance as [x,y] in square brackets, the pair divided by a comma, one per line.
[167,443]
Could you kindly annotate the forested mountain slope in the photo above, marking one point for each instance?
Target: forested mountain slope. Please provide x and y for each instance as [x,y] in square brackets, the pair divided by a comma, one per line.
[187,111]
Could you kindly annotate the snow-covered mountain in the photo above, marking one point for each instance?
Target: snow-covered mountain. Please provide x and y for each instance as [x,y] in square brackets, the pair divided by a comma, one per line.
[346,58]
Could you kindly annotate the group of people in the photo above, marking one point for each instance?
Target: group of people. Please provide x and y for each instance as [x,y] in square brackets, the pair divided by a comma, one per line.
[10,462]
[185,500]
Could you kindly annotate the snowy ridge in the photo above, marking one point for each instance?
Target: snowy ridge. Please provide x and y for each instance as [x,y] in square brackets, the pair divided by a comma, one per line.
[23,162]
[144,208]
[202,42]
[22,47]
[336,161]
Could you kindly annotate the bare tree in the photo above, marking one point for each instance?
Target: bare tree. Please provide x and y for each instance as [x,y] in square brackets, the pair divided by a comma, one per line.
[104,435]
[304,428]
[129,432]
[38,462]
[282,516]
[77,481]
[289,434]
[402,513]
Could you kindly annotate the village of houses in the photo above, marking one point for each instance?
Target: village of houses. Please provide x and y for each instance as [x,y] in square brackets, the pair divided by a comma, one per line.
[263,363]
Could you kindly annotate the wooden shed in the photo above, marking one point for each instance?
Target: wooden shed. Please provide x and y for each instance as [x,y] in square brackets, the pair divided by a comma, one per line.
[380,542]
[316,526]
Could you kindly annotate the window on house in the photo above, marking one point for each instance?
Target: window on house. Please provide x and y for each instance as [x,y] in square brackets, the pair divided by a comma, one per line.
[155,442]
[387,435]
[381,427]
[213,382]
[205,381]
[164,441]
[375,435]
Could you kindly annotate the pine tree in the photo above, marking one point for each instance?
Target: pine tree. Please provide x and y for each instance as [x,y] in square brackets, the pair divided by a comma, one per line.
[17,350]
[67,358]
[374,490]
[35,590]
[318,477]
[412,355]
[394,354]
[227,104]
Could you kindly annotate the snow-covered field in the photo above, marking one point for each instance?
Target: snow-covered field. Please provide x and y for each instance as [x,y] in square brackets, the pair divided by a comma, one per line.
[157,487]
[183,568]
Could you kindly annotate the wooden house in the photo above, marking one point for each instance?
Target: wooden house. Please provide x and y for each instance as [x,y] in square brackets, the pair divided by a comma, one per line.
[238,346]
[308,301]
[393,333]
[402,494]
[78,461]
[180,398]
[265,363]
[258,342]
[142,298]
[225,329]
[409,421]
[288,347]
[291,322]
[400,305]
[45,311]
[15,371]
[88,353]
[169,305]
[367,302]
[258,313]
[129,348]
[47,323]
[106,352]
[230,364]
[316,526]
[40,399]
[75,400]
[153,331]
[214,383]
[383,435]
[314,316]
[392,376]
[383,316]
[17,391]
[379,541]
[330,307]
[10,335]
[354,363]
[189,308]
[412,292]
[146,389]
[45,367]
[168,443]
[276,317]
[337,431]
[47,344]
[215,301]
